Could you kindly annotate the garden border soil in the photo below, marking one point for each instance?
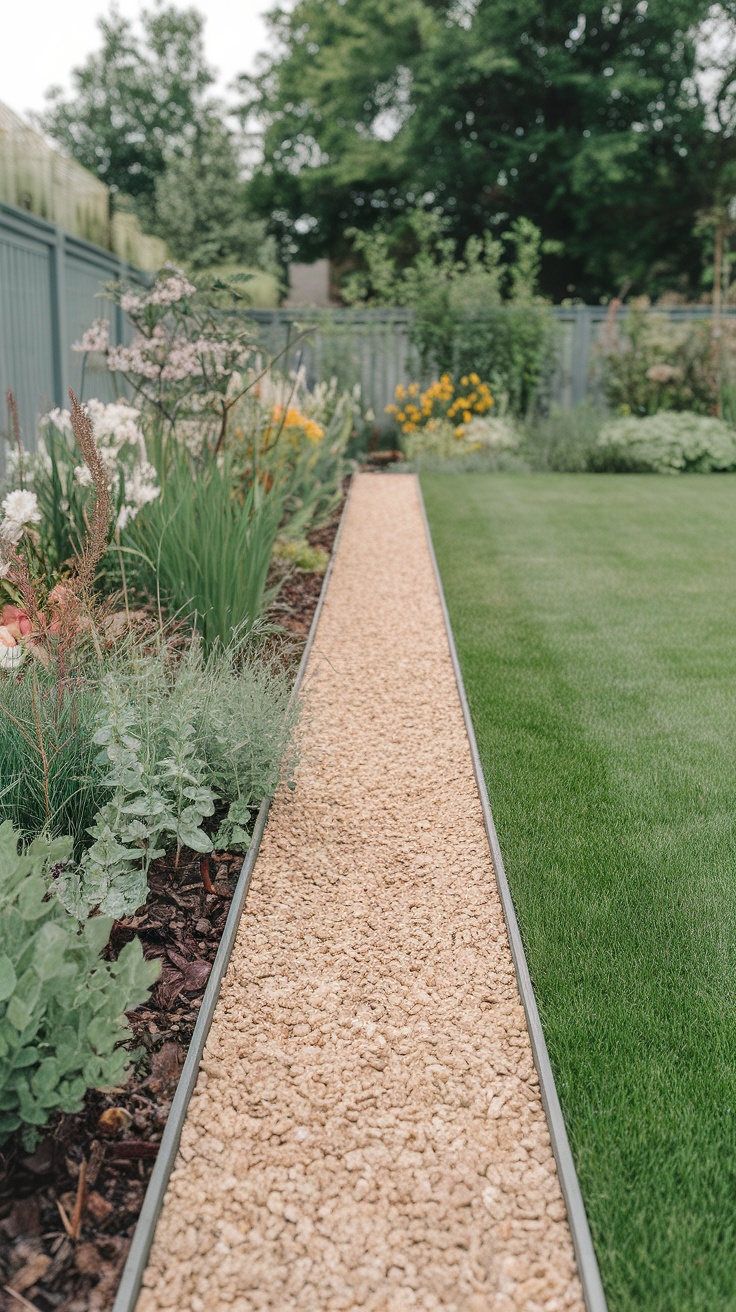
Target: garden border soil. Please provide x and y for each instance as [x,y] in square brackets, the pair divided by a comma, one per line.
[590,1279]
[135,1265]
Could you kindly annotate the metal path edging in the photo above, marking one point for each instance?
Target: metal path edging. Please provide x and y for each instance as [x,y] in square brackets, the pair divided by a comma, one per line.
[132,1277]
[590,1279]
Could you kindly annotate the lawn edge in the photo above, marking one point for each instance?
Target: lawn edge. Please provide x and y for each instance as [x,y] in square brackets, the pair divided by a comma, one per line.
[140,1248]
[590,1279]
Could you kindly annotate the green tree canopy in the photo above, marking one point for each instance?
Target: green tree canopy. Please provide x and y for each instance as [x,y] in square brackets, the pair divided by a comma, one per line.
[136,102]
[583,117]
[142,116]
[200,206]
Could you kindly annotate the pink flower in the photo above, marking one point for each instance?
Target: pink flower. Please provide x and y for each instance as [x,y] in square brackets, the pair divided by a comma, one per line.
[96,338]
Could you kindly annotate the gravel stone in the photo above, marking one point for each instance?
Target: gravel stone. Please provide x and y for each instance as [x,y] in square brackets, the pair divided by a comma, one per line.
[367,1130]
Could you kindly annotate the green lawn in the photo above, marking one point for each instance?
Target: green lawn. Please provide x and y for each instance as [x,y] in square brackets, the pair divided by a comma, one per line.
[595,619]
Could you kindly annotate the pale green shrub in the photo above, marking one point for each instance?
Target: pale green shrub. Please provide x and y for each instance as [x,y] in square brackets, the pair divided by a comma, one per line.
[665,443]
[62,1008]
[439,440]
[178,740]
[563,440]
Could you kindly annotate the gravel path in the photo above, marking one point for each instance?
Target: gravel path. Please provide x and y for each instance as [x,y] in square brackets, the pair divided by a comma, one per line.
[366,1131]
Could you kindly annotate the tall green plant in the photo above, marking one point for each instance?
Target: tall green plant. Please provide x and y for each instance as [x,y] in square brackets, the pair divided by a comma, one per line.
[204,554]
[50,780]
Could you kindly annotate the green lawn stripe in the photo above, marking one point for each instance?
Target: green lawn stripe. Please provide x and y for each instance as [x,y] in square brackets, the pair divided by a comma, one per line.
[595,620]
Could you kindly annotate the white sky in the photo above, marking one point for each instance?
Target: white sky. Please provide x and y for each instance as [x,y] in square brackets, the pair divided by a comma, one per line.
[41,41]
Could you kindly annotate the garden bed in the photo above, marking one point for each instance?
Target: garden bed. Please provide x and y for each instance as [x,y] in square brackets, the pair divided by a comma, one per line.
[69,1209]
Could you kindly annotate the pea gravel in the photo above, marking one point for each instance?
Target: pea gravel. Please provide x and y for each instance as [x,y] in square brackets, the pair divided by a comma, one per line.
[366,1131]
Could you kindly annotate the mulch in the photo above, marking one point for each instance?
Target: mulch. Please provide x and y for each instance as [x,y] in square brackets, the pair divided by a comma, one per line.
[68,1210]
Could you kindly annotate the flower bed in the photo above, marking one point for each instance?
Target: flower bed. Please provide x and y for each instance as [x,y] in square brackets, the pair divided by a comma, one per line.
[146,698]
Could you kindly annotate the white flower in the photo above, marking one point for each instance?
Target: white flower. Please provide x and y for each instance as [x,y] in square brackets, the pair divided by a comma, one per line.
[19,508]
[60,419]
[83,476]
[96,338]
[124,514]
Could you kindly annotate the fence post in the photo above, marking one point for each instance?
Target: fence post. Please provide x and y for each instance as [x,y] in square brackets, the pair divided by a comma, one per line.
[122,270]
[581,354]
[58,315]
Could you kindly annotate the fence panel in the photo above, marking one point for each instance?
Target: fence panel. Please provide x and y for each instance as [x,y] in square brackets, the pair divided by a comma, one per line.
[51,288]
[26,321]
[373,348]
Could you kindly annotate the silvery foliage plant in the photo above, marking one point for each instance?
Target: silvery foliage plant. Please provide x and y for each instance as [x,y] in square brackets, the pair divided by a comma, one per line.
[159,798]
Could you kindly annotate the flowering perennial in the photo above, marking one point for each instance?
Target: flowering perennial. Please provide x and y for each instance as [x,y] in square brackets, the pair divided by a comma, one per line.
[440,402]
[122,448]
[293,420]
[96,338]
[19,508]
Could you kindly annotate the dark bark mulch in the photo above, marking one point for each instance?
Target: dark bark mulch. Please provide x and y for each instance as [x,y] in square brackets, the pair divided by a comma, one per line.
[69,1209]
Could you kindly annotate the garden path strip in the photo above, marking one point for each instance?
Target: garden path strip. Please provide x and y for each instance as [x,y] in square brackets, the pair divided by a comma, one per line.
[367,1131]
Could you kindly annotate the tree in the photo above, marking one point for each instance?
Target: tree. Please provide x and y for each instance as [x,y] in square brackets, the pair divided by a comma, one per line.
[143,118]
[200,207]
[715,81]
[137,103]
[579,116]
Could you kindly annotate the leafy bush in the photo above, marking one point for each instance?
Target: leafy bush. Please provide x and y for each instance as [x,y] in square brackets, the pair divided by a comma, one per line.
[479,312]
[62,1021]
[300,555]
[177,740]
[667,443]
[652,363]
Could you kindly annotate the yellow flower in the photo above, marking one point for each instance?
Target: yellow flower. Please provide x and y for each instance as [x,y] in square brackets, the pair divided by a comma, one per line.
[400,393]
[467,416]
[313,431]
[459,432]
[413,389]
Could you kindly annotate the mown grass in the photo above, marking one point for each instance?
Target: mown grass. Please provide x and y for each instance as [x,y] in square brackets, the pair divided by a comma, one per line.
[595,619]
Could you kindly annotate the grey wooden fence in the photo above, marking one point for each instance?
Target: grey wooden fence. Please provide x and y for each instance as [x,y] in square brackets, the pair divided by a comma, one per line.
[373,347]
[51,288]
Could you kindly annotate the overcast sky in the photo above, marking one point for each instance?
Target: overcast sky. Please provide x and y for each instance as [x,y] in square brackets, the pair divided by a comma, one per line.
[42,40]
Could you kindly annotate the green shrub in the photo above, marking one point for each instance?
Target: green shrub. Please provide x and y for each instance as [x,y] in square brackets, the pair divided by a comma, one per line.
[666,443]
[177,740]
[508,344]
[62,1008]
[300,555]
[652,363]
[478,313]
[245,723]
